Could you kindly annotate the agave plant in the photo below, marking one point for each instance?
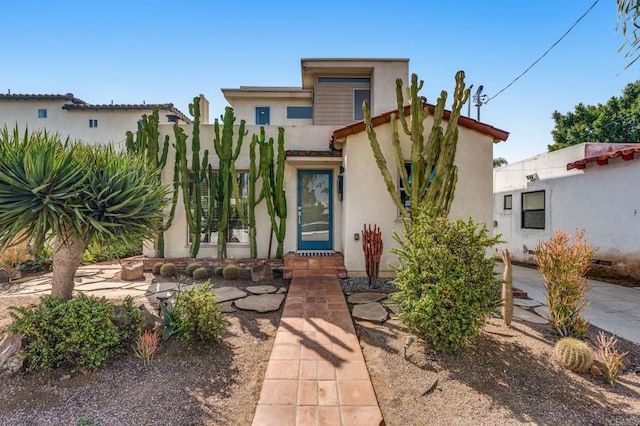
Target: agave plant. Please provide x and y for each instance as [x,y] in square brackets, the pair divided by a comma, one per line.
[74,194]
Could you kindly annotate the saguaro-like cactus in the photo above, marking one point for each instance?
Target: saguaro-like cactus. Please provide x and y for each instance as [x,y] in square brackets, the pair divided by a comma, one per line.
[433,173]
[200,172]
[507,288]
[372,247]
[227,174]
[146,144]
[273,188]
[253,199]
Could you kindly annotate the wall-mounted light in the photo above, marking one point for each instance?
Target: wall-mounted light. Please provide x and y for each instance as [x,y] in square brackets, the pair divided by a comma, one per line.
[341,183]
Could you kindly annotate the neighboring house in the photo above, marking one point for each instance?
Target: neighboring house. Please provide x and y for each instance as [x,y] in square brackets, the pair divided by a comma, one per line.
[73,117]
[591,186]
[333,185]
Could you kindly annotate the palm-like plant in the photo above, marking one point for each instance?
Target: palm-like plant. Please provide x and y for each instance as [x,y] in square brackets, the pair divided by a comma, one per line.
[74,194]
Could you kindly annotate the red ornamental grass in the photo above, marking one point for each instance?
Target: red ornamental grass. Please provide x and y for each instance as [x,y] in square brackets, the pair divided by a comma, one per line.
[146,346]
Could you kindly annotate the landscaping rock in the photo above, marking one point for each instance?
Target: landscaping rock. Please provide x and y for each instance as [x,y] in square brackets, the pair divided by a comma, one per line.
[9,346]
[225,294]
[360,298]
[14,363]
[262,303]
[132,271]
[281,290]
[227,307]
[526,303]
[65,377]
[261,289]
[3,278]
[524,315]
[374,312]
[262,273]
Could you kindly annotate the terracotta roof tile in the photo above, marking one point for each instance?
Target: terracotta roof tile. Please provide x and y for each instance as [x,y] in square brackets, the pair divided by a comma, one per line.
[378,120]
[126,107]
[41,97]
[627,154]
[312,153]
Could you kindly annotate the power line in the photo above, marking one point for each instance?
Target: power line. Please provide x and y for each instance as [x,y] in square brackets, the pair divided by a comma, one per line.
[545,53]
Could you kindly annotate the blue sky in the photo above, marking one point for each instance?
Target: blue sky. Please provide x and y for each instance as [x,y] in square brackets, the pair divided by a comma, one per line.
[159,51]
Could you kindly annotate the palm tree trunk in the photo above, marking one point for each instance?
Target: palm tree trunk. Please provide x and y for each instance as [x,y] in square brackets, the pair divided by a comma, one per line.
[67,257]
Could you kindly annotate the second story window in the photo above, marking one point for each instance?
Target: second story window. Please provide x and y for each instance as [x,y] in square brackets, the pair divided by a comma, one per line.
[42,113]
[263,115]
[93,123]
[359,96]
[299,112]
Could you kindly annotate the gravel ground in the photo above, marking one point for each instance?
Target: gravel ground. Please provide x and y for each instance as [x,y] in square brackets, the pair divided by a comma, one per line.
[353,285]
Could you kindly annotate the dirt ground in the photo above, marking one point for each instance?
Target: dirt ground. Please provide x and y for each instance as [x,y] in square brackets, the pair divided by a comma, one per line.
[181,386]
[509,376]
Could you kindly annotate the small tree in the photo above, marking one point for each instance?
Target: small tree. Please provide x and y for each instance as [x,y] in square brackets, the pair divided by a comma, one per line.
[446,283]
[564,262]
[76,194]
[433,173]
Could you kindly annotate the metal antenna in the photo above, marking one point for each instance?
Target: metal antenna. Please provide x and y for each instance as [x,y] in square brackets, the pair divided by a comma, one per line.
[479,99]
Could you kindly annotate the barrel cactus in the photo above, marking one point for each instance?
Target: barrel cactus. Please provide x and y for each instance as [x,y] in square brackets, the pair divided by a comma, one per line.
[574,354]
[231,272]
[168,270]
[218,271]
[200,274]
[192,267]
[156,267]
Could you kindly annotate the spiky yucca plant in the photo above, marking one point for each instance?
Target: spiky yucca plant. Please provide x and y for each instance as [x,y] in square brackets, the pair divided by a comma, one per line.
[75,194]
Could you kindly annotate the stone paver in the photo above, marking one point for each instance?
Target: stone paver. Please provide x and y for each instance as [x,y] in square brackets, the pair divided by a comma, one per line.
[227,307]
[374,312]
[366,297]
[524,315]
[316,373]
[224,294]
[526,303]
[260,303]
[261,289]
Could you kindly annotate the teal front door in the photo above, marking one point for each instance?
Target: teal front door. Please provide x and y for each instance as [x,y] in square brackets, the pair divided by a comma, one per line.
[315,210]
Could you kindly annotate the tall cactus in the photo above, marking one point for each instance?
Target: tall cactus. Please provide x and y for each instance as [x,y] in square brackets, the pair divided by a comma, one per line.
[433,173]
[273,188]
[200,172]
[252,200]
[147,144]
[227,174]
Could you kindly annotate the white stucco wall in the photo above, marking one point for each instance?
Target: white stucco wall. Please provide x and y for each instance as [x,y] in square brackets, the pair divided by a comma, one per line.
[112,124]
[383,84]
[368,202]
[246,109]
[599,199]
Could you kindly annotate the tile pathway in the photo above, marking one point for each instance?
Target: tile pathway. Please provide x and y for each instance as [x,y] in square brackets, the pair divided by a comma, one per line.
[316,373]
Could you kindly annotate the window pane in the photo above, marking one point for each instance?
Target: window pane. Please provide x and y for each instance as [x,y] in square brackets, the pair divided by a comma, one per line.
[533,219]
[294,112]
[359,96]
[508,202]
[263,115]
[533,200]
[42,113]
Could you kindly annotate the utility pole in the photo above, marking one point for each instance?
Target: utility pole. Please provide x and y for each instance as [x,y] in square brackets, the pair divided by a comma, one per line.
[479,99]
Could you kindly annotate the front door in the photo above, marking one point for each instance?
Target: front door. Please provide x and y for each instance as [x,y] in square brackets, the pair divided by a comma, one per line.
[315,210]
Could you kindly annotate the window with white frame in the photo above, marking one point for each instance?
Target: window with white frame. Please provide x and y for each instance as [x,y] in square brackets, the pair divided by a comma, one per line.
[359,96]
[93,123]
[237,229]
[533,210]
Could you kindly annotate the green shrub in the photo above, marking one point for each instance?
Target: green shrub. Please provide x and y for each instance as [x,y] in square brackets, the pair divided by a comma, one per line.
[231,272]
[157,267]
[446,284]
[79,333]
[200,274]
[192,267]
[128,319]
[197,315]
[218,271]
[563,262]
[168,270]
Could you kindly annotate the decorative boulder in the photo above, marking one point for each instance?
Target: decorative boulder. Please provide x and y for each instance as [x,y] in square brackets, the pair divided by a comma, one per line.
[9,346]
[3,277]
[262,273]
[132,271]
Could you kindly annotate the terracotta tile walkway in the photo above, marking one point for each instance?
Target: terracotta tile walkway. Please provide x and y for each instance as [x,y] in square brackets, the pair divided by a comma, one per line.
[316,374]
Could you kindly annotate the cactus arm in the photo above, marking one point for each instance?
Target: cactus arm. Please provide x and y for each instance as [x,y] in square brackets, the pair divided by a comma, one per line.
[382,162]
[251,197]
[400,101]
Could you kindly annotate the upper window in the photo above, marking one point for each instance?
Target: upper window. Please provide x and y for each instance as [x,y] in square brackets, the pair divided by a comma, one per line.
[93,123]
[533,210]
[295,112]
[42,113]
[344,80]
[508,202]
[359,96]
[263,115]
[237,229]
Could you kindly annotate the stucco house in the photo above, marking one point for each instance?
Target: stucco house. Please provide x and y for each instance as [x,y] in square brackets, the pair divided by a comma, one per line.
[333,186]
[77,119]
[591,186]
